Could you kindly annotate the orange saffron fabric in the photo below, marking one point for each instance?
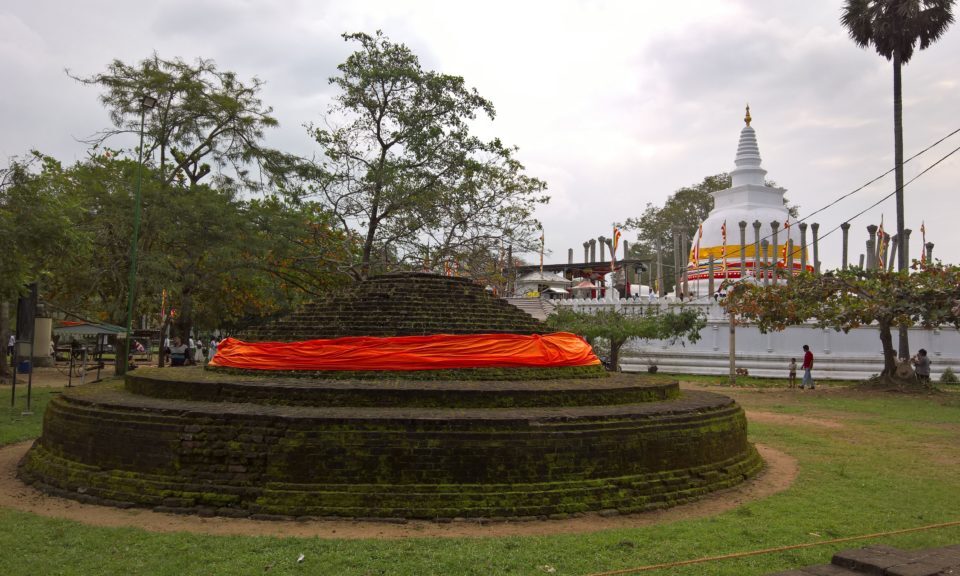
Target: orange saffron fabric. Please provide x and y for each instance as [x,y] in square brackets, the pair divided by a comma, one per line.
[440,351]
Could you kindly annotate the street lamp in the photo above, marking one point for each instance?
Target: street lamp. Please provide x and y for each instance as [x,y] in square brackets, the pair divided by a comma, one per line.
[147,102]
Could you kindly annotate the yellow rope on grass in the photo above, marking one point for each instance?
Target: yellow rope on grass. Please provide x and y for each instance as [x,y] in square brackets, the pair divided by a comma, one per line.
[770,550]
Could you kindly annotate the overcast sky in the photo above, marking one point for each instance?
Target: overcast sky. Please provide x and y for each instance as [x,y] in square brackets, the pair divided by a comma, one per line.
[614,104]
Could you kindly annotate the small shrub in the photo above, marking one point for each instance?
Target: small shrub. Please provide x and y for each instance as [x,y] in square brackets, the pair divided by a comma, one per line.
[949,377]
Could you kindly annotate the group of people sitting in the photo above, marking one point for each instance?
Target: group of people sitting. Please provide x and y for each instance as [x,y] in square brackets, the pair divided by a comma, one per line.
[189,353]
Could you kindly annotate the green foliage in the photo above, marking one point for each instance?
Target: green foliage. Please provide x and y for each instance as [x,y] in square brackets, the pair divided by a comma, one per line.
[846,299]
[949,377]
[203,115]
[895,27]
[37,231]
[617,327]
[684,209]
[222,260]
[403,169]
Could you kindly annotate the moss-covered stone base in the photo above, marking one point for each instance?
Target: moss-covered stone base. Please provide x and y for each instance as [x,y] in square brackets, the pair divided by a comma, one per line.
[102,443]
[270,388]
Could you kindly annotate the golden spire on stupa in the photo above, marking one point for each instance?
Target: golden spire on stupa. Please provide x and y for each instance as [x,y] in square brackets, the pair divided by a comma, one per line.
[747,117]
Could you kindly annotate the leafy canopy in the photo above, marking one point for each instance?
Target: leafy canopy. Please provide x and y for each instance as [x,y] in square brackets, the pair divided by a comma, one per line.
[896,26]
[847,299]
[401,167]
[618,326]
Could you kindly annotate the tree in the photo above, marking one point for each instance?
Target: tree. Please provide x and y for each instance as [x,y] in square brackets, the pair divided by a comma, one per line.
[847,299]
[203,115]
[685,209]
[617,326]
[403,169]
[894,27]
[223,260]
[36,230]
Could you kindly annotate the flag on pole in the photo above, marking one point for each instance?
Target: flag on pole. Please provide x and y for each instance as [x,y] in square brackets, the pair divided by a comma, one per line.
[695,254]
[881,245]
[163,305]
[614,243]
[923,244]
[542,244]
[723,250]
[783,251]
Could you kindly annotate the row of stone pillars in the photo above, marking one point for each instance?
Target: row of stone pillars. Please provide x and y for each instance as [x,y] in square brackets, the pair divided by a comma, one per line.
[590,250]
[768,250]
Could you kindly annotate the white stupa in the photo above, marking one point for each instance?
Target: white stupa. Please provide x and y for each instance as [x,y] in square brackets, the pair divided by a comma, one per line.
[748,200]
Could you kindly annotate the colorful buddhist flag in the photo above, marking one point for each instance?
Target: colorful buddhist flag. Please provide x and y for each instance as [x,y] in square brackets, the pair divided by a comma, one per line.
[881,244]
[723,250]
[923,244]
[695,259]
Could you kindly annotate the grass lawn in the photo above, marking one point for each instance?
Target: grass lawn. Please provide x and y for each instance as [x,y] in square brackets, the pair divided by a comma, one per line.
[889,461]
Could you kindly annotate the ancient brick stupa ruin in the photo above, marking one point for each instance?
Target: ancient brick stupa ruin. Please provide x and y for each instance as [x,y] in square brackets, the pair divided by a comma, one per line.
[500,421]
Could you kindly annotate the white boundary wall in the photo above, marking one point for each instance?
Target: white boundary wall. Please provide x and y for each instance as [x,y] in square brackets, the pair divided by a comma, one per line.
[854,355]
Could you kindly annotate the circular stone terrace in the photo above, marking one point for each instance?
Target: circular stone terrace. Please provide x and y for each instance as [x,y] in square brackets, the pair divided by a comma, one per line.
[491,443]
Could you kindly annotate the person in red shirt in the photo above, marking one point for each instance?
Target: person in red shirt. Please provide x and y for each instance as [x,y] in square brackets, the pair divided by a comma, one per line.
[807,367]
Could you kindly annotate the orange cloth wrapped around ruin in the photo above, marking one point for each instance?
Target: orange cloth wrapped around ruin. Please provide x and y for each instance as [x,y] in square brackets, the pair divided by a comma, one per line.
[436,352]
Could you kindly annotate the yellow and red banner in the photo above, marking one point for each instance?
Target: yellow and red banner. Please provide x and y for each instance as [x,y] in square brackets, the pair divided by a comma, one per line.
[435,352]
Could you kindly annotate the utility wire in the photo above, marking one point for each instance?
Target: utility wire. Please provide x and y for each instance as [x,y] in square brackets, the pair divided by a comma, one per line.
[848,194]
[772,550]
[878,202]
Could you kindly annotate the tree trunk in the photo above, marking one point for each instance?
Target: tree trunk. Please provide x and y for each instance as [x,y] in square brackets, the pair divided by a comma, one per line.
[4,336]
[889,354]
[162,356]
[184,320]
[904,344]
[615,346]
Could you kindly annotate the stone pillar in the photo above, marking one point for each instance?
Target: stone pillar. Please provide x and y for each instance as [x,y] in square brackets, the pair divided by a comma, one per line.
[764,245]
[884,249]
[906,249]
[586,251]
[929,248]
[789,258]
[42,332]
[710,264]
[894,242]
[861,262]
[815,229]
[684,241]
[756,248]
[743,248]
[569,255]
[775,226]
[803,246]
[677,272]
[512,274]
[593,250]
[603,248]
[660,289]
[845,227]
[871,247]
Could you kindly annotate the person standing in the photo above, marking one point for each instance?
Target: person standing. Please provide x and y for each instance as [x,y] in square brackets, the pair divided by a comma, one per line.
[213,347]
[807,367]
[11,344]
[792,378]
[178,353]
[921,365]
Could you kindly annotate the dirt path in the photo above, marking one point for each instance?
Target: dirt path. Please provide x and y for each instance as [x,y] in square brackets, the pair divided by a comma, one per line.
[778,475]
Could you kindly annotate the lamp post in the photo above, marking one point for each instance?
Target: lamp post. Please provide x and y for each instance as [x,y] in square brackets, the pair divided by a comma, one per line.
[147,102]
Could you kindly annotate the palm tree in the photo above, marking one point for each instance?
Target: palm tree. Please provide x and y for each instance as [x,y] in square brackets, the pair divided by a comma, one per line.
[894,27]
